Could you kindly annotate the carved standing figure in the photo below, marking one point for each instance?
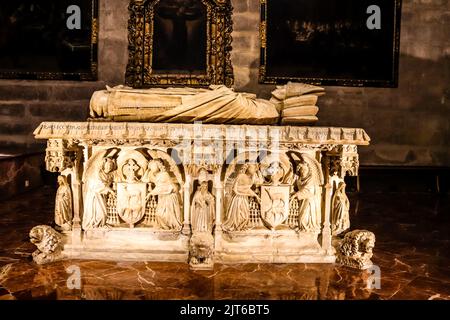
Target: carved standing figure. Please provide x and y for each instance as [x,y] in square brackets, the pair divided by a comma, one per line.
[168,213]
[340,220]
[308,195]
[63,205]
[95,212]
[202,209]
[239,208]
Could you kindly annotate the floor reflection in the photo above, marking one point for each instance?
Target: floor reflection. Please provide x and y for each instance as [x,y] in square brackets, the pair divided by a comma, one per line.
[412,251]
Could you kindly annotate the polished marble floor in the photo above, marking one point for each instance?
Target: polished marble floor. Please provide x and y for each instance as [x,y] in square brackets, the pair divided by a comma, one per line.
[412,251]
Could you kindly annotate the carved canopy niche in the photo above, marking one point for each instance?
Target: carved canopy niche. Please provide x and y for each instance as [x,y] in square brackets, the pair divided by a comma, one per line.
[179,42]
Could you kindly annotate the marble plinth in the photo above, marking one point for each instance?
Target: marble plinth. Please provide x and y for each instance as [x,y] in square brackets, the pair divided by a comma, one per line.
[200,193]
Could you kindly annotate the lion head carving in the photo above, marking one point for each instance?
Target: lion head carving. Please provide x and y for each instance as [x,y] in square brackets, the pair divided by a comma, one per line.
[48,243]
[201,248]
[356,248]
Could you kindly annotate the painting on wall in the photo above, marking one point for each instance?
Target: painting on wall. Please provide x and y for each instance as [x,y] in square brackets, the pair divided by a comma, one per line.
[330,42]
[42,39]
[179,43]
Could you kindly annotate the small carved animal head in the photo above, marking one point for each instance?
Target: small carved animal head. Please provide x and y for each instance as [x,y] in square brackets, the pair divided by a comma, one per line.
[358,243]
[367,244]
[45,238]
[201,245]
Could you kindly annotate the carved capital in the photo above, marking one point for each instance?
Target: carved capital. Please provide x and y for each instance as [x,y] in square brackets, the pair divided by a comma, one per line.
[202,170]
[60,155]
[344,160]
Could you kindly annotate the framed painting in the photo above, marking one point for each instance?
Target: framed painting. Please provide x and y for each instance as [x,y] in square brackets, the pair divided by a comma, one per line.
[43,40]
[179,42]
[330,42]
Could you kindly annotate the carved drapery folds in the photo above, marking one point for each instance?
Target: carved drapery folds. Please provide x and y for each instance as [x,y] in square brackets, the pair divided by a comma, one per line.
[217,68]
[205,193]
[63,205]
[277,191]
[131,187]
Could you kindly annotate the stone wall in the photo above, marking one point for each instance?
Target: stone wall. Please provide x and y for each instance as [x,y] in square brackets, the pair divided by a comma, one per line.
[408,125]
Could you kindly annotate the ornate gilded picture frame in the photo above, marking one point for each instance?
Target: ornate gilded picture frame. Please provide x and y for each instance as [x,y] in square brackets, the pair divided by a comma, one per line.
[330,42]
[49,40]
[179,42]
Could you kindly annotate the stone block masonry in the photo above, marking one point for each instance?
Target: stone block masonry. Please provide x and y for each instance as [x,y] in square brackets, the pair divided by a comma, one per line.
[409,125]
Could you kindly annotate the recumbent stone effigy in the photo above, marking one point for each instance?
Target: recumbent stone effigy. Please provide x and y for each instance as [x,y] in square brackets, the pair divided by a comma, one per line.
[203,176]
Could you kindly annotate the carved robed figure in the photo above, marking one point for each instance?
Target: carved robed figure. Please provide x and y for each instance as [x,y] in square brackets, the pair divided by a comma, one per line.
[340,206]
[63,204]
[168,212]
[239,208]
[309,195]
[202,210]
[98,188]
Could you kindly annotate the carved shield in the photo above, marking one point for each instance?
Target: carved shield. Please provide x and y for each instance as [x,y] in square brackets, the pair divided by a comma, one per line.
[131,201]
[274,205]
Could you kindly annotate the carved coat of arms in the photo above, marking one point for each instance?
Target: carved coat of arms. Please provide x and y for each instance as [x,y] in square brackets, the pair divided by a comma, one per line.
[274,205]
[131,201]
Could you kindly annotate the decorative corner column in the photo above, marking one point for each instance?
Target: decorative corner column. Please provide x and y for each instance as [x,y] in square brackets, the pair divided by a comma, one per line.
[187,205]
[326,214]
[64,155]
[218,188]
[77,192]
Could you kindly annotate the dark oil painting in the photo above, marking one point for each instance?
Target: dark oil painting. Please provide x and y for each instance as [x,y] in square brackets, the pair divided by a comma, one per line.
[180,37]
[329,42]
[41,39]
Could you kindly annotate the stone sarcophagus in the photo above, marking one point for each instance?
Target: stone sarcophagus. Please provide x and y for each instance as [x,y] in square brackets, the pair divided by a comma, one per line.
[201,194]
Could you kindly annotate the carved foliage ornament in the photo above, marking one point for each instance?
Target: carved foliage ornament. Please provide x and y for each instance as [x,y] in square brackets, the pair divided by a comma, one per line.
[344,160]
[59,155]
[142,30]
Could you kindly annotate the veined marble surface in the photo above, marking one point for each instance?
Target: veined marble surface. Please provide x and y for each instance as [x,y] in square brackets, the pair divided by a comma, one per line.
[412,253]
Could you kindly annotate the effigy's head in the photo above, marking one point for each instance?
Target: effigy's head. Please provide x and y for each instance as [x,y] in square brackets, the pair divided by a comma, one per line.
[99,104]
